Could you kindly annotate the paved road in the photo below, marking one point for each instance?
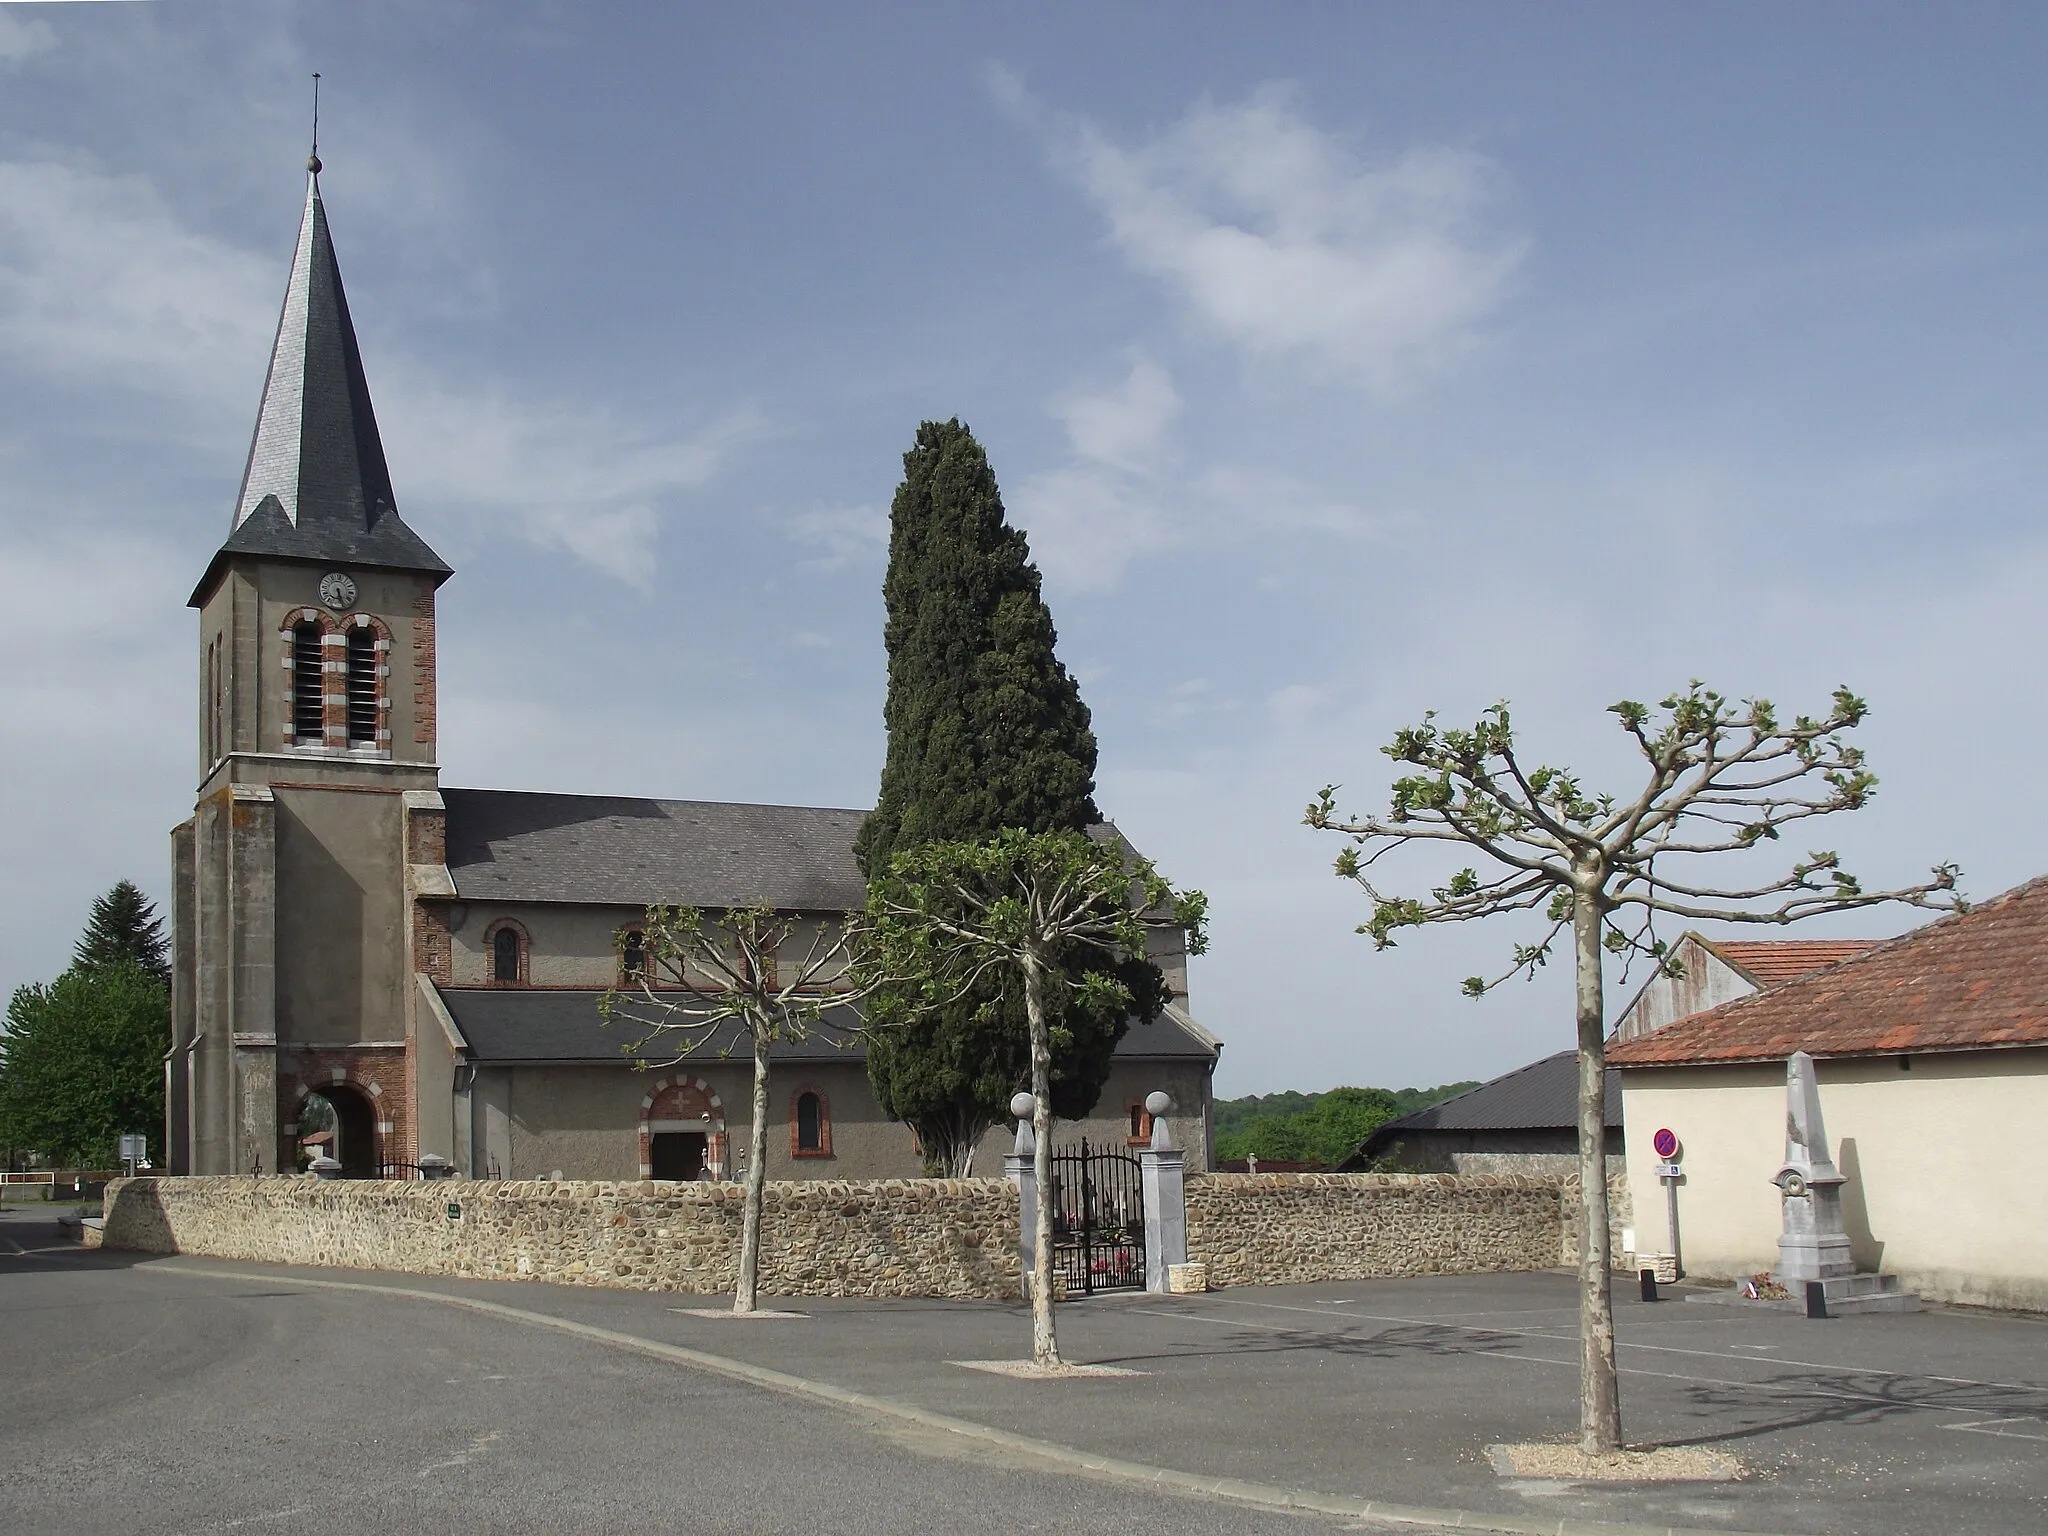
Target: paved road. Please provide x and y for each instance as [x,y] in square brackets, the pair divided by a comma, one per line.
[135,1401]
[1387,1390]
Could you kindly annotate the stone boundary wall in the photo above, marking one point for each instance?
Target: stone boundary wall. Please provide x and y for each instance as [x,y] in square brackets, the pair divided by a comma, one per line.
[1287,1228]
[885,1237]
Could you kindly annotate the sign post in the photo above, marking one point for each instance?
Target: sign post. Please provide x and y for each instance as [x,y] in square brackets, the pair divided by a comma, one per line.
[1668,1153]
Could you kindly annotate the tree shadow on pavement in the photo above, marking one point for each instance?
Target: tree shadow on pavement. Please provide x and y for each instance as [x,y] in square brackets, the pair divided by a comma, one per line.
[1808,1399]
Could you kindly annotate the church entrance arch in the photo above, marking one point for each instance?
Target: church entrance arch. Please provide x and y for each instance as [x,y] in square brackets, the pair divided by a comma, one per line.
[682,1130]
[339,1121]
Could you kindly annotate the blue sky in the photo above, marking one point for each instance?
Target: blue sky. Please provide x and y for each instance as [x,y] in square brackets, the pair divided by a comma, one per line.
[1342,361]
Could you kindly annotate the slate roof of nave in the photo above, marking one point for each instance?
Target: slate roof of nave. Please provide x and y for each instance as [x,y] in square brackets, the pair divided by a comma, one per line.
[503,1025]
[612,850]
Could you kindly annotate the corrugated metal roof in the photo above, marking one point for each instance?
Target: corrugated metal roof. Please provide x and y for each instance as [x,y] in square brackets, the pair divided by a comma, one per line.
[542,1024]
[1969,981]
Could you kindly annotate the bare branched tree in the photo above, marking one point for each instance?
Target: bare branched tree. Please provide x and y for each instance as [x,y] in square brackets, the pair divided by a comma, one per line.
[710,984]
[1723,779]
[1013,909]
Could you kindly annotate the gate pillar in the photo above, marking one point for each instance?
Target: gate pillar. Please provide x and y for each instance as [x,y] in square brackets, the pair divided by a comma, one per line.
[1166,1204]
[1021,1169]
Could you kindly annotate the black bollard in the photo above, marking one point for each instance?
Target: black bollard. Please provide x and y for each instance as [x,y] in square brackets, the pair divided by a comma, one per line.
[1649,1280]
[1816,1299]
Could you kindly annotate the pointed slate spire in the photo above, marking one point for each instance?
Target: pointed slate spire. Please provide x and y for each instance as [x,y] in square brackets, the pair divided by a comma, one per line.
[316,486]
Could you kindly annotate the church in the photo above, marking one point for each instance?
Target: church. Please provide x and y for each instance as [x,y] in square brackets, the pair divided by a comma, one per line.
[421,964]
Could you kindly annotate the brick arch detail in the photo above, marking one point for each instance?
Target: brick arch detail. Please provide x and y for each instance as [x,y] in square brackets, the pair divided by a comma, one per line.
[824,1146]
[392,1137]
[337,690]
[288,633]
[498,926]
[681,1103]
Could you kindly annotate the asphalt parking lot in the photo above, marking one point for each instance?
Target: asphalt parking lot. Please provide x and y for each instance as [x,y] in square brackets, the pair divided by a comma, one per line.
[1385,1390]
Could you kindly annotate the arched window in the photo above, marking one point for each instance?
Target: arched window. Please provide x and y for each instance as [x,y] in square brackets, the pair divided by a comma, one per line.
[632,957]
[362,686]
[309,677]
[810,1125]
[505,954]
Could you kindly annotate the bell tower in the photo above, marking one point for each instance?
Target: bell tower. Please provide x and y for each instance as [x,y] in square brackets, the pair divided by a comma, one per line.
[318,814]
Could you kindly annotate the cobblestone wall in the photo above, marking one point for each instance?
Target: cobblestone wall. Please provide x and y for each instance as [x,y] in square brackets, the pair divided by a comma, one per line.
[886,1237]
[1282,1228]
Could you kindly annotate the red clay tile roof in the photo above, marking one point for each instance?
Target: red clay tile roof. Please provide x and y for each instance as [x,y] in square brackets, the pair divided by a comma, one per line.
[1967,982]
[1771,962]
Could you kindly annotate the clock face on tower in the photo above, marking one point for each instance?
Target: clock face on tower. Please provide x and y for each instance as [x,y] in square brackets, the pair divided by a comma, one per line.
[336,590]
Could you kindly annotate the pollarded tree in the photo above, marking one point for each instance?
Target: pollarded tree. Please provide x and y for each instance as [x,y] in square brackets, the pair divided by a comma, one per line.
[124,925]
[1015,912]
[986,731]
[711,984]
[1721,780]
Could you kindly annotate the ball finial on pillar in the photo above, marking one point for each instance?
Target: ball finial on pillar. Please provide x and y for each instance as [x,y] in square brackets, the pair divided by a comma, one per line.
[1022,1105]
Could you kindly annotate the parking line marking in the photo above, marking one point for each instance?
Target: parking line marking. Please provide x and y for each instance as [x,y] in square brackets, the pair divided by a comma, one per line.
[1762,1388]
[1667,1349]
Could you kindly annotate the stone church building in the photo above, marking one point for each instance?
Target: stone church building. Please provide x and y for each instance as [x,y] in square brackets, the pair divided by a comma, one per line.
[428,960]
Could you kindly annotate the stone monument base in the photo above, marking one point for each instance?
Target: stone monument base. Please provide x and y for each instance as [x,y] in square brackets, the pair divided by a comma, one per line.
[1848,1296]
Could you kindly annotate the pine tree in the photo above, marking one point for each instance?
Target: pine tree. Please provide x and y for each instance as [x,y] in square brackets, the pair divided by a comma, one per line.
[123,925]
[987,731]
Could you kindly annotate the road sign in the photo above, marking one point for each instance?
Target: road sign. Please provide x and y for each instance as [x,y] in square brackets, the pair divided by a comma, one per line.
[1666,1145]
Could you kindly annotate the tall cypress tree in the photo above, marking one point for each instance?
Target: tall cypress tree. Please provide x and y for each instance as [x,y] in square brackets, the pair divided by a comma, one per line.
[986,731]
[123,926]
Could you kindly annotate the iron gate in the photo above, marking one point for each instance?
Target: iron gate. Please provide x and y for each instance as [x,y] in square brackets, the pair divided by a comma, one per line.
[1098,1220]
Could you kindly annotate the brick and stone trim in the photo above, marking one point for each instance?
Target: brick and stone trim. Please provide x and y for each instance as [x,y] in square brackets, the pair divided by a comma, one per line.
[425,699]
[824,1146]
[682,1104]
[381,1073]
[432,945]
[517,929]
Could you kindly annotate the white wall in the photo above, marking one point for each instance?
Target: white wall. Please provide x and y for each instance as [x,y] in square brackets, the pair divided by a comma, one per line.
[1944,1189]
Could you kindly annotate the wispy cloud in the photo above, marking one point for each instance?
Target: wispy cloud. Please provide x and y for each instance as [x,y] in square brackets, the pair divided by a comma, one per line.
[1284,239]
[101,284]
[23,38]
[1126,424]
[580,478]
[842,535]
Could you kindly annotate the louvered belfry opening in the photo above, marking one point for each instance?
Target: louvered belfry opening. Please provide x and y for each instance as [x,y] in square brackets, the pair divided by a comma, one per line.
[362,686]
[308,682]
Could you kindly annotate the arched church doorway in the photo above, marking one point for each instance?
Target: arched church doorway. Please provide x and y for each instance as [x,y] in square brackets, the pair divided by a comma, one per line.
[677,1154]
[340,1122]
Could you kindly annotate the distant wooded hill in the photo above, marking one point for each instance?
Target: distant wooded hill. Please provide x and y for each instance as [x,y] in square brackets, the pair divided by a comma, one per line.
[1315,1127]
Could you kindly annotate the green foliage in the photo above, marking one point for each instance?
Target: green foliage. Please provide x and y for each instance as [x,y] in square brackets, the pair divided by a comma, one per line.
[986,729]
[1315,1127]
[948,935]
[124,925]
[1721,777]
[987,732]
[83,1064]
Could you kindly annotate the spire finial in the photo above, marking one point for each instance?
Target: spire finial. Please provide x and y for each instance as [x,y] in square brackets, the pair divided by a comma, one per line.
[313,160]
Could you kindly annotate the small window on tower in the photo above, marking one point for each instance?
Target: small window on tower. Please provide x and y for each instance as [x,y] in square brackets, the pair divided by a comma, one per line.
[308,683]
[505,955]
[362,686]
